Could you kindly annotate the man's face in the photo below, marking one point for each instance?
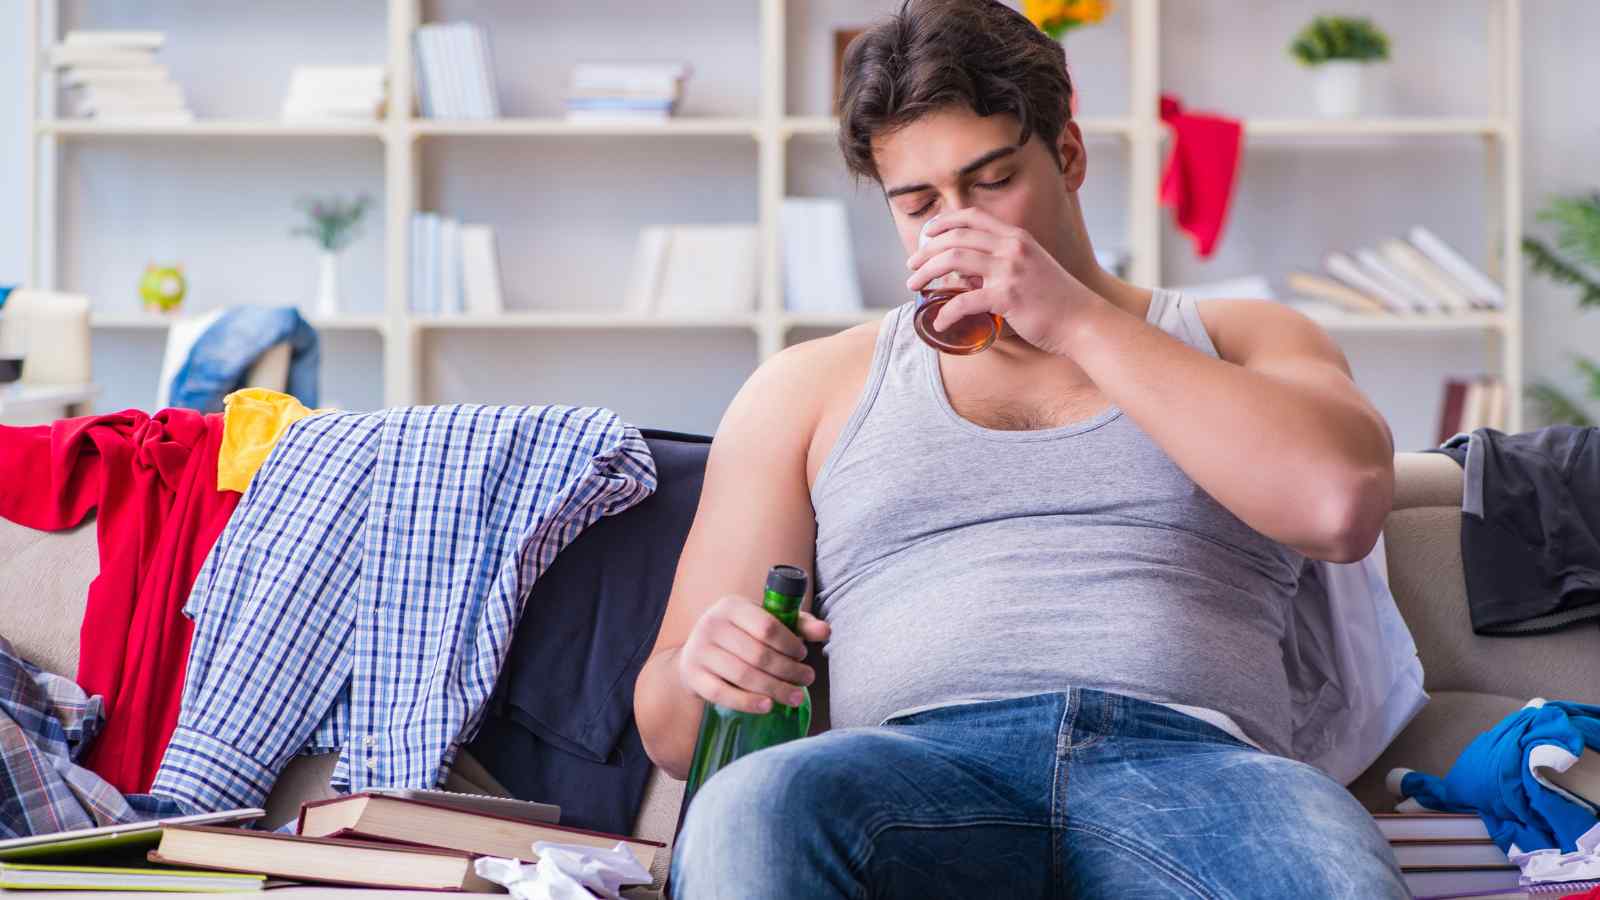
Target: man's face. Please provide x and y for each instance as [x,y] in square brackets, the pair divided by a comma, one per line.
[953,159]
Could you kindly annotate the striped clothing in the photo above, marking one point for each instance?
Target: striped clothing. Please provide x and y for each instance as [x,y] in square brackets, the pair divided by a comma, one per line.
[364,594]
[46,724]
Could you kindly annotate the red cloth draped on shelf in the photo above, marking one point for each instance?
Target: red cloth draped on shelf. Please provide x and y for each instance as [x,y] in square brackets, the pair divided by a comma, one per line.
[1198,180]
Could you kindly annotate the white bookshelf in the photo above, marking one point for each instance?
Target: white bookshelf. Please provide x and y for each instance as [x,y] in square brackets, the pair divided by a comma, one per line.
[774,131]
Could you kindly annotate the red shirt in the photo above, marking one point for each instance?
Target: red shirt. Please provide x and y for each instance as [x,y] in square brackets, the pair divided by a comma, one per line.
[153,482]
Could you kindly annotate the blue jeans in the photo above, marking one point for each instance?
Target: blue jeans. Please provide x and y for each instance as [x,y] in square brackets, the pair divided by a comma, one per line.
[1070,794]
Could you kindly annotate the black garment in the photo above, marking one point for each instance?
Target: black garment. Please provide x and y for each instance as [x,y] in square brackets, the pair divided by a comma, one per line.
[1530,527]
[560,728]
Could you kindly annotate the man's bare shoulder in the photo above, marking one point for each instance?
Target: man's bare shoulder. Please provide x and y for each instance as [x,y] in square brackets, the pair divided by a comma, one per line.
[824,366]
[1240,329]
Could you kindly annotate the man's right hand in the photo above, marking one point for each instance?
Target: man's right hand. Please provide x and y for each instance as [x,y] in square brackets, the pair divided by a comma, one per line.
[740,656]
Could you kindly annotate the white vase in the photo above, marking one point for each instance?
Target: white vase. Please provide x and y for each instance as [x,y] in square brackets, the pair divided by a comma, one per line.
[1338,88]
[328,286]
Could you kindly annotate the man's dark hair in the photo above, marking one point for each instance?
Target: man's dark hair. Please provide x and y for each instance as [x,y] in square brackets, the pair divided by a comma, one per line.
[934,54]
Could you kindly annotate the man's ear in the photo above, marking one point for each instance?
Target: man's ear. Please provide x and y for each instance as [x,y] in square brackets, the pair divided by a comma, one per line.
[1071,157]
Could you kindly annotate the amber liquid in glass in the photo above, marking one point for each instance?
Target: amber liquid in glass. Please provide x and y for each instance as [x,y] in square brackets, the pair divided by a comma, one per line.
[969,335]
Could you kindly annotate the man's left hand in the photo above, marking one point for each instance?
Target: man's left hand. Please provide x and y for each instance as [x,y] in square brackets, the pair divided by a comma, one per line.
[1021,281]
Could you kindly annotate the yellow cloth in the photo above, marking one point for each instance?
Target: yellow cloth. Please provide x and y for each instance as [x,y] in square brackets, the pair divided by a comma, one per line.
[252,421]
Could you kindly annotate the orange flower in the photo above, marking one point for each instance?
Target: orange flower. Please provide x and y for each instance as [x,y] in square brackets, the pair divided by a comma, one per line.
[1056,17]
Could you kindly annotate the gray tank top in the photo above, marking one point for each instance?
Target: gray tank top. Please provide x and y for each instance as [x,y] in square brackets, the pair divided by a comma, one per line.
[958,563]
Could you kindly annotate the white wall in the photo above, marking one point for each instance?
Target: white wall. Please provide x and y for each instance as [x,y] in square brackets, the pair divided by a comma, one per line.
[567,211]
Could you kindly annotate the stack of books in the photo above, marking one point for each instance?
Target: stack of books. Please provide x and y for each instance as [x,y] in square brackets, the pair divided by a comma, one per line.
[113,76]
[455,268]
[1470,404]
[1449,855]
[390,839]
[1421,276]
[335,92]
[626,91]
[454,72]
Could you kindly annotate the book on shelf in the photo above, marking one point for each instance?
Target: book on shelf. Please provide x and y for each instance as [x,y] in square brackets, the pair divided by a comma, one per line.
[819,264]
[113,76]
[335,92]
[369,817]
[625,92]
[1480,288]
[480,271]
[1345,298]
[644,280]
[1425,275]
[454,267]
[709,270]
[106,38]
[1397,285]
[111,839]
[1470,404]
[106,57]
[324,860]
[1354,276]
[454,71]
[24,877]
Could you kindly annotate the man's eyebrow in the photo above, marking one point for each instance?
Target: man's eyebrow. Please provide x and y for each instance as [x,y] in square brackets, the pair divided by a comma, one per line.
[967,169]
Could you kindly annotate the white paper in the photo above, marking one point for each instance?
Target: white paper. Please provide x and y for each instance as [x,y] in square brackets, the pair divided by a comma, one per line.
[566,872]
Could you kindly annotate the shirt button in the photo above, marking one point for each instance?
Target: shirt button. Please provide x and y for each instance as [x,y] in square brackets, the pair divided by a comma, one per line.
[372,762]
[370,741]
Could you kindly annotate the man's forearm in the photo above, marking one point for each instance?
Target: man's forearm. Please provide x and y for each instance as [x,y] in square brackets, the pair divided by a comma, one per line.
[667,713]
[1297,462]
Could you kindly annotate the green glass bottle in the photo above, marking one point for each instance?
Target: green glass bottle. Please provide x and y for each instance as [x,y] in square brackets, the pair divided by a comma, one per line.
[727,734]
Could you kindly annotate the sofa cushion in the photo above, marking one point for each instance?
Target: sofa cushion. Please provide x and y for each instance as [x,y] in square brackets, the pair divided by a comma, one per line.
[44,585]
[1433,740]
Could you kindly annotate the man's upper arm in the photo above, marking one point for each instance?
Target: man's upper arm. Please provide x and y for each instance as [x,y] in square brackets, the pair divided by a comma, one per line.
[755,507]
[1273,339]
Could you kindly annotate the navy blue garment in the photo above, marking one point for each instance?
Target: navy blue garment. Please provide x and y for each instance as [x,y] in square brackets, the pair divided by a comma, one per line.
[1530,527]
[560,729]
[224,354]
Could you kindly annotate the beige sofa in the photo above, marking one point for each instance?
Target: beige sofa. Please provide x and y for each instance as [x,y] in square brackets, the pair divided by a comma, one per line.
[1473,681]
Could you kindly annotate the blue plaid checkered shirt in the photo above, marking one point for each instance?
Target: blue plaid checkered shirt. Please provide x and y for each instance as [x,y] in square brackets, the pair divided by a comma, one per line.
[364,593]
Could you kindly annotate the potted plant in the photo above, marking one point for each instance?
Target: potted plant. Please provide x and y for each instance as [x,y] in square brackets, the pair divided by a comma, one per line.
[333,223]
[1578,235]
[1339,48]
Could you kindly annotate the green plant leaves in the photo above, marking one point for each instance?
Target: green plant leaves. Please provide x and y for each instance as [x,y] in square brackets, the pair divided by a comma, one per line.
[1330,38]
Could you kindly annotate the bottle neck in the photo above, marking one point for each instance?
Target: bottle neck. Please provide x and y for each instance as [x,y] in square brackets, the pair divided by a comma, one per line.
[784,608]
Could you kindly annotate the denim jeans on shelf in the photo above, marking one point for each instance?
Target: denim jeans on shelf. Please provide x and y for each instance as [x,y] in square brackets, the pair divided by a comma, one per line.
[1076,794]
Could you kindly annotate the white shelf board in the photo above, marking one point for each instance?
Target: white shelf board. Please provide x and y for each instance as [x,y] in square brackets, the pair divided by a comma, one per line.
[684,126]
[1374,127]
[26,400]
[1411,324]
[829,125]
[792,321]
[210,128]
[576,320]
[152,322]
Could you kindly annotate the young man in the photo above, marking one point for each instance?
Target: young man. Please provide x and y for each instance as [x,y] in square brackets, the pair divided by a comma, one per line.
[1051,576]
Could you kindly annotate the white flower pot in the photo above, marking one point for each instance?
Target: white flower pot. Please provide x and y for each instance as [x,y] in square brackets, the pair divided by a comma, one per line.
[328,286]
[1338,88]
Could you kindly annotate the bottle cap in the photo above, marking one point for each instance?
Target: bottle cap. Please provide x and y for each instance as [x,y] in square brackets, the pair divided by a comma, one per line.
[787,580]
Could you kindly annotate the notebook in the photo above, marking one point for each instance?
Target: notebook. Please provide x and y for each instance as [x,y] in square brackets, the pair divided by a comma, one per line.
[18,876]
[112,838]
